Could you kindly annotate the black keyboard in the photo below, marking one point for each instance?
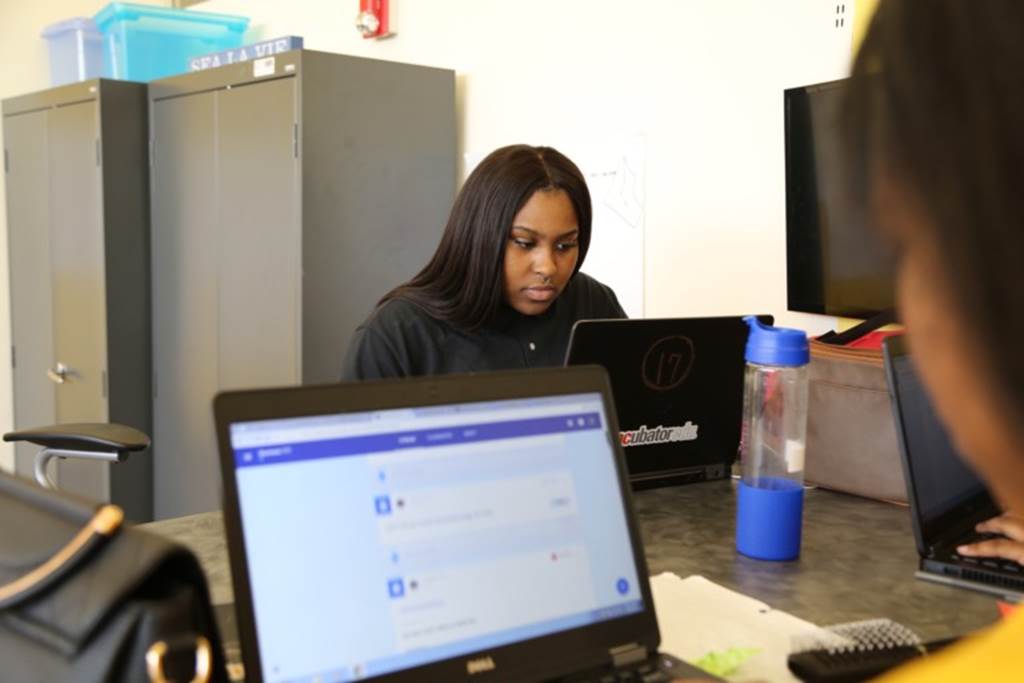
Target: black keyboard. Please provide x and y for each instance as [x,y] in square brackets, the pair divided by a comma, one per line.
[660,668]
[991,563]
[847,667]
[647,672]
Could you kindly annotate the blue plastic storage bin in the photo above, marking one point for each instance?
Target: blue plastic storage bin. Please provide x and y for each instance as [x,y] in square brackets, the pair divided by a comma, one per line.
[143,42]
[76,51]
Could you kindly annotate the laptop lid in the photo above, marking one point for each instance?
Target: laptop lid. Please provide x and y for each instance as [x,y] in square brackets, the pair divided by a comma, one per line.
[449,528]
[946,497]
[678,387]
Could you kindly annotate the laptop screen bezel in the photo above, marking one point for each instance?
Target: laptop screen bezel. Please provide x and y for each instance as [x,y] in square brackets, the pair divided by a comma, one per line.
[928,533]
[554,654]
[585,330]
[710,393]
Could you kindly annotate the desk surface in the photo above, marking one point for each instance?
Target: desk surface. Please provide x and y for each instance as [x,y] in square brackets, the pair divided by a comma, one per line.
[857,561]
[858,558]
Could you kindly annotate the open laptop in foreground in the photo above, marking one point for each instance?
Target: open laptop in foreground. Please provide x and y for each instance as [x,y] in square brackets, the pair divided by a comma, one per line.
[460,528]
[947,499]
[678,385]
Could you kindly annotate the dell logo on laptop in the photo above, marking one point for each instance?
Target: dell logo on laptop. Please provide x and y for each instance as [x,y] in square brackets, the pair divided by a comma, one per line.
[480,665]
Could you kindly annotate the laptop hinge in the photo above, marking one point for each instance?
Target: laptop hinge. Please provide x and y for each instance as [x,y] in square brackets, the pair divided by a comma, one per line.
[624,655]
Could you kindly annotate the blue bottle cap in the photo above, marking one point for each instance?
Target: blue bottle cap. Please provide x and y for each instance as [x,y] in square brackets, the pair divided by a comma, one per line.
[768,345]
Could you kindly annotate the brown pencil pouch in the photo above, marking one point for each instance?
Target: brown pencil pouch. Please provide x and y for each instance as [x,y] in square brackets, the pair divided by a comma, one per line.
[851,436]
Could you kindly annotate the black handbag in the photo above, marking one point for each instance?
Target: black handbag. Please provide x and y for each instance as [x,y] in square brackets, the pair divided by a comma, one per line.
[85,598]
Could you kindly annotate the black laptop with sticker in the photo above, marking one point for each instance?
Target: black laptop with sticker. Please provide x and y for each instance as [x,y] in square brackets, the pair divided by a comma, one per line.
[678,386]
[947,499]
[459,528]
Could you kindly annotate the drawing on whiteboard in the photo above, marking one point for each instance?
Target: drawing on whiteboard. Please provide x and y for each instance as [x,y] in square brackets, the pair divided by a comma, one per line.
[622,196]
[615,175]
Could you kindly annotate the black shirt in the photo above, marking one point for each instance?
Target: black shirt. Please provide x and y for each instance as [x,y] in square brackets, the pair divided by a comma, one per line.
[400,339]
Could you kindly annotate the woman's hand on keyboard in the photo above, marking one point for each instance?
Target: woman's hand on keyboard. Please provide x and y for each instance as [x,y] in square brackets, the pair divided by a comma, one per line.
[1011,547]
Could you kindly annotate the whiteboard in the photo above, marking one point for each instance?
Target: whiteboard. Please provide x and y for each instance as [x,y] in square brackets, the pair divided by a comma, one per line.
[615,176]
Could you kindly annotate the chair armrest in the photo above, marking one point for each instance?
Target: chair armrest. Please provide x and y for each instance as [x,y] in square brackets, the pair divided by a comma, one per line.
[94,437]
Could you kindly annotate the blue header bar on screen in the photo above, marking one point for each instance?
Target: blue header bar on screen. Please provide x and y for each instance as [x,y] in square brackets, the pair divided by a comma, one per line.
[273,454]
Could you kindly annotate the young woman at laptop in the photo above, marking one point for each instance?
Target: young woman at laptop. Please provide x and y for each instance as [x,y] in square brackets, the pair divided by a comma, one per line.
[503,289]
[935,108]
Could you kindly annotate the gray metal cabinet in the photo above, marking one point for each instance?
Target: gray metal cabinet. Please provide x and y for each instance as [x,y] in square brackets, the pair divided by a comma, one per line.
[78,242]
[288,196]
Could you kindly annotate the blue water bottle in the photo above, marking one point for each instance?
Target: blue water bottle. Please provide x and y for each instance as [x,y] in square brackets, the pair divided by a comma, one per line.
[771,495]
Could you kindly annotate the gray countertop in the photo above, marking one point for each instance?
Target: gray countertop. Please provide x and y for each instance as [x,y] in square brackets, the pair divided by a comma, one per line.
[858,559]
[857,562]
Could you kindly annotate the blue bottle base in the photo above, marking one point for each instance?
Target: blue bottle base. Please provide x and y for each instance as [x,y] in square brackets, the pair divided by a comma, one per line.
[768,519]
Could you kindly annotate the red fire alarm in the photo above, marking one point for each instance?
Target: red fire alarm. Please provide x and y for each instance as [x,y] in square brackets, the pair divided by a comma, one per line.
[372,21]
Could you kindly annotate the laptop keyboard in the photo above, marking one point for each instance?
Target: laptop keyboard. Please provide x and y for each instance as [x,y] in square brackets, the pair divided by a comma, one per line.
[992,563]
[988,570]
[632,676]
[644,672]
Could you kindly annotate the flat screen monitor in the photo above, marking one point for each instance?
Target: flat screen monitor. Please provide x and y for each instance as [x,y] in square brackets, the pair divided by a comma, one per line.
[836,265]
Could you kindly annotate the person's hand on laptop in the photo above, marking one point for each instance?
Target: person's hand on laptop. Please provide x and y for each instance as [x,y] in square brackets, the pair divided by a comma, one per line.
[1009,548]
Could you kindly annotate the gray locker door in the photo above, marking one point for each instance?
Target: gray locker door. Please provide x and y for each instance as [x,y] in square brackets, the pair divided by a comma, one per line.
[260,228]
[79,290]
[28,235]
[185,250]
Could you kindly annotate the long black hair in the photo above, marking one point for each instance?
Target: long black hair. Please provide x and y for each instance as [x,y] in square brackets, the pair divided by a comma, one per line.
[937,99]
[463,282]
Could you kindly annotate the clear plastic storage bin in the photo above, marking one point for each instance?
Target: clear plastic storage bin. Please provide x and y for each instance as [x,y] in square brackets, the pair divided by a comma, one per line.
[76,51]
[143,42]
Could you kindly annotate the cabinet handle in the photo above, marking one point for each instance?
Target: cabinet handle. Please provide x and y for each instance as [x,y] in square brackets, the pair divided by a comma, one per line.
[59,374]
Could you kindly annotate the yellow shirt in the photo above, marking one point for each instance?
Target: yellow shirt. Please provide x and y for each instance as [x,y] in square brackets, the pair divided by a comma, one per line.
[996,654]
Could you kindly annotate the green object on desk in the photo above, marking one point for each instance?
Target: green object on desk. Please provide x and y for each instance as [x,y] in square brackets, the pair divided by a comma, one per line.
[725,663]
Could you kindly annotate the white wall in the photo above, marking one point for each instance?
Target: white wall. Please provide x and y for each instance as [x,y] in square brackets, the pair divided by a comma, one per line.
[24,68]
[700,80]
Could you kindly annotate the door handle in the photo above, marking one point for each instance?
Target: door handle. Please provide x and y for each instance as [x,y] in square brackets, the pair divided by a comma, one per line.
[59,374]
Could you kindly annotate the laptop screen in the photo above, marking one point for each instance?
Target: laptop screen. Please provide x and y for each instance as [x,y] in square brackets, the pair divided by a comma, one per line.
[678,387]
[385,540]
[941,478]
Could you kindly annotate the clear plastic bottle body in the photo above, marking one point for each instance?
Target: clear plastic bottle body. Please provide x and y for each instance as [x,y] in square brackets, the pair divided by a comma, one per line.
[774,426]
[769,506]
